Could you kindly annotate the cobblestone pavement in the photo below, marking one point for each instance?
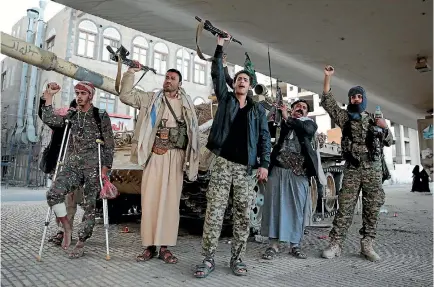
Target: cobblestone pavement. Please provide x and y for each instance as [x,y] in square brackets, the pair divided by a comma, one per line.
[404,242]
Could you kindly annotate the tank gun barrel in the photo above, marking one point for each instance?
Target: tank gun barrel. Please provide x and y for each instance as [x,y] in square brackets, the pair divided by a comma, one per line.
[48,61]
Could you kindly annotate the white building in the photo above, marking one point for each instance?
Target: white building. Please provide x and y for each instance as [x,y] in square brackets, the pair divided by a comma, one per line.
[82,39]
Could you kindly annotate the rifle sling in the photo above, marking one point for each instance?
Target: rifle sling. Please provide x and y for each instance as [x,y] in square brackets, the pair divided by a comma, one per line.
[118,76]
[199,52]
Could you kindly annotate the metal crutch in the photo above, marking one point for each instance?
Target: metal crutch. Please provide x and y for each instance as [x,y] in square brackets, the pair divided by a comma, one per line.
[104,201]
[60,161]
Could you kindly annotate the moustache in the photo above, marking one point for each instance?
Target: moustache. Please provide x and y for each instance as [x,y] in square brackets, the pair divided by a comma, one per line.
[299,111]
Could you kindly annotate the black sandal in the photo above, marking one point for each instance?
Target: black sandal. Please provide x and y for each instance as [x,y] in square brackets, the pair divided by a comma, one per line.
[57,238]
[149,253]
[296,252]
[204,268]
[167,256]
[270,253]
[237,266]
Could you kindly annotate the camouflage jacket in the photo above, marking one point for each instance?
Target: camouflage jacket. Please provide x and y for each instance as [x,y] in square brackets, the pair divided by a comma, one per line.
[360,142]
[84,132]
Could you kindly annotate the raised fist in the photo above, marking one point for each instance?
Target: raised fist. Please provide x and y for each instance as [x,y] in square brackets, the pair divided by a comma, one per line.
[52,89]
[329,70]
[136,68]
[221,41]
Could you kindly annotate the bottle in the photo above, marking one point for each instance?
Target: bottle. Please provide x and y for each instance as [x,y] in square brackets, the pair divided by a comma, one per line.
[378,115]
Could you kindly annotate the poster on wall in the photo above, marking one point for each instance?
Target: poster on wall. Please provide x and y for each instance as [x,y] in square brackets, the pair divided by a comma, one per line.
[425,128]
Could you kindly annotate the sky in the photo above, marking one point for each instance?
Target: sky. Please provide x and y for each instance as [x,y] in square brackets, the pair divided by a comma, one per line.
[13,13]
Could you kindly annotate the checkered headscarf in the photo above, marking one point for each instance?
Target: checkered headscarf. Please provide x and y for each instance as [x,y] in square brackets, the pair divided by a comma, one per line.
[87,87]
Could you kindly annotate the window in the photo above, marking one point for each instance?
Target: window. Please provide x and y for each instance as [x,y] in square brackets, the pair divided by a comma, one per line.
[3,79]
[112,38]
[107,101]
[198,101]
[199,70]
[161,53]
[140,50]
[182,56]
[87,32]
[50,44]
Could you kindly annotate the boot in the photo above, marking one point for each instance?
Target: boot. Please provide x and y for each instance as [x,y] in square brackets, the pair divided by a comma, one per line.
[367,249]
[332,251]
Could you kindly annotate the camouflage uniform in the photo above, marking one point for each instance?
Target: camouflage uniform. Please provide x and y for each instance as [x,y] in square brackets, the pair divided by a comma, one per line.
[366,176]
[225,173]
[81,166]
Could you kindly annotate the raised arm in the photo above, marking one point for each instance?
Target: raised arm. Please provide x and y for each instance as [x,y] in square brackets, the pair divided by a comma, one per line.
[133,98]
[302,128]
[329,104]
[48,116]
[217,71]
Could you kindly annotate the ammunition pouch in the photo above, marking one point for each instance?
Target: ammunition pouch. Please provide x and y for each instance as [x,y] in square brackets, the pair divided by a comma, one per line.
[178,136]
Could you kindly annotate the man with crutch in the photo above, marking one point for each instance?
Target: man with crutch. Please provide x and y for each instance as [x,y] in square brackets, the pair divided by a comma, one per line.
[88,157]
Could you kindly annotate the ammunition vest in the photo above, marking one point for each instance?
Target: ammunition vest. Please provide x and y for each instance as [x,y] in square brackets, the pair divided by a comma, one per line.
[360,141]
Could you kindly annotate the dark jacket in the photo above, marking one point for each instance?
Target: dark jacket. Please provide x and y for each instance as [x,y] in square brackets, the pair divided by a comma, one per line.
[258,136]
[305,131]
[53,148]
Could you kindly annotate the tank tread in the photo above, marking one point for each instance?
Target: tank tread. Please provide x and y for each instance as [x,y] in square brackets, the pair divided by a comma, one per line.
[334,169]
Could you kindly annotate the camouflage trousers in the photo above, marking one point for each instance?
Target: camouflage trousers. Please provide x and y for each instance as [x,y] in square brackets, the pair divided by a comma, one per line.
[69,179]
[225,173]
[355,179]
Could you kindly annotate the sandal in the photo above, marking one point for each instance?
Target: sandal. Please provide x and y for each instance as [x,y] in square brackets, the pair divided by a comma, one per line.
[149,253]
[77,252]
[167,256]
[204,268]
[57,238]
[270,253]
[296,252]
[238,266]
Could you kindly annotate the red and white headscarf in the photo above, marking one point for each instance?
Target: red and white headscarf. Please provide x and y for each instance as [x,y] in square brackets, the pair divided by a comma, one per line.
[85,86]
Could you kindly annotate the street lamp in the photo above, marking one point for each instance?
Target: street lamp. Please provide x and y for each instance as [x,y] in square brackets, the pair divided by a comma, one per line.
[33,13]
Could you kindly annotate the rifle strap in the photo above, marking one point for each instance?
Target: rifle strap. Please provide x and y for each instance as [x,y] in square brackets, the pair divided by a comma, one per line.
[118,75]
[199,52]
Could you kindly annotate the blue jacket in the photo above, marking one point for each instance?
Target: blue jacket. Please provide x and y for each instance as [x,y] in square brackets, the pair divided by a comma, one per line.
[258,136]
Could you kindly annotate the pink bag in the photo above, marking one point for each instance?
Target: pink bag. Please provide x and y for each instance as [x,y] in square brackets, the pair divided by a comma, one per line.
[109,191]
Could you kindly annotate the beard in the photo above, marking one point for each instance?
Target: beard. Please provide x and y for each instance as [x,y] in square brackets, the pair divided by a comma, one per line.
[298,113]
[355,108]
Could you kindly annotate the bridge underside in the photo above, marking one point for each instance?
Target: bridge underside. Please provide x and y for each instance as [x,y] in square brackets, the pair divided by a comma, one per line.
[370,43]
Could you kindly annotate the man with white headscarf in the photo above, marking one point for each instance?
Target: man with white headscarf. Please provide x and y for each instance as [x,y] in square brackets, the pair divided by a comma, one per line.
[81,167]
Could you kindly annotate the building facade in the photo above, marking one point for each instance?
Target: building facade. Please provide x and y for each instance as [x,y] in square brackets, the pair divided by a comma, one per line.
[82,39]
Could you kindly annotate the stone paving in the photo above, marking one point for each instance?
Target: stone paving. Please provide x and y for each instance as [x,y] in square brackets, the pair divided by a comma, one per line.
[405,243]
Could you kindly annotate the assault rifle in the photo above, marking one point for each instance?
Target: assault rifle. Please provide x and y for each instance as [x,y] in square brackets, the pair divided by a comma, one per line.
[121,54]
[215,31]
[279,102]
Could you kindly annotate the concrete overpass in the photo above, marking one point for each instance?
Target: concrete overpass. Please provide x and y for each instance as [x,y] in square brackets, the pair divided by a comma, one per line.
[370,43]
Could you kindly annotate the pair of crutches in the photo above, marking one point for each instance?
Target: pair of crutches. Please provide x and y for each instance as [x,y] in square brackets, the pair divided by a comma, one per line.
[59,166]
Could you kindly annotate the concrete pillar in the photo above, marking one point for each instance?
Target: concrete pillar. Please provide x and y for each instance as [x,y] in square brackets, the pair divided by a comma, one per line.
[399,144]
